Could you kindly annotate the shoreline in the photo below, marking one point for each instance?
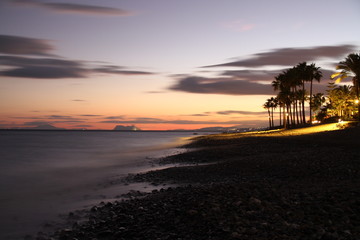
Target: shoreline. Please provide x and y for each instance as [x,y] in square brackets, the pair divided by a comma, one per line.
[48,174]
[245,186]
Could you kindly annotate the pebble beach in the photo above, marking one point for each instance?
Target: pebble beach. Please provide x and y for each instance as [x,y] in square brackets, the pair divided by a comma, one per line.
[285,184]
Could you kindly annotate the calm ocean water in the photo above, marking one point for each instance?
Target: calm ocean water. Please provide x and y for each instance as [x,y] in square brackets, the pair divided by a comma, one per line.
[47,173]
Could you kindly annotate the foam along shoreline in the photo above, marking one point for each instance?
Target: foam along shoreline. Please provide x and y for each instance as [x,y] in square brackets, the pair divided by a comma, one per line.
[269,185]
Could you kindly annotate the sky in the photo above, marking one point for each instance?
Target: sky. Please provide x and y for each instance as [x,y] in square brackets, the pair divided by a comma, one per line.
[161,64]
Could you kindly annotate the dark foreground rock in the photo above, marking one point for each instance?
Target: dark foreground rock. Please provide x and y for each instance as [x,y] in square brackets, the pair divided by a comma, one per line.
[255,188]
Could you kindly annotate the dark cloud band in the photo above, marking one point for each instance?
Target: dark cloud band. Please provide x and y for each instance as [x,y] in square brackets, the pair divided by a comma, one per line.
[221,86]
[47,67]
[290,56]
[75,8]
[24,46]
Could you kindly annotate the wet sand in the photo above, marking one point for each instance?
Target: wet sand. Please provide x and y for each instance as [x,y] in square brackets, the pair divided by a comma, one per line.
[266,185]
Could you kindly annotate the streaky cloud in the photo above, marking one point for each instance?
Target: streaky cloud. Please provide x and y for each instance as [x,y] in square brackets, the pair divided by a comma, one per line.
[119,70]
[155,92]
[44,72]
[229,112]
[35,123]
[87,9]
[199,115]
[82,126]
[17,61]
[114,117]
[24,46]
[163,121]
[227,86]
[252,75]
[75,8]
[55,68]
[90,115]
[290,56]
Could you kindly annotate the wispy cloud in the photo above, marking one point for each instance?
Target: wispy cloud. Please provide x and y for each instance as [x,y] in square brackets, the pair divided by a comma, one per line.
[41,67]
[75,8]
[35,123]
[230,112]
[109,69]
[195,84]
[290,56]
[252,75]
[250,81]
[83,126]
[199,115]
[164,121]
[90,115]
[239,26]
[25,46]
[114,117]
[48,67]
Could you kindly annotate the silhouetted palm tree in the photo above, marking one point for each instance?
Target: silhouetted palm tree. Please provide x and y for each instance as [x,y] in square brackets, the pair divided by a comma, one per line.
[301,77]
[350,68]
[267,106]
[273,105]
[313,73]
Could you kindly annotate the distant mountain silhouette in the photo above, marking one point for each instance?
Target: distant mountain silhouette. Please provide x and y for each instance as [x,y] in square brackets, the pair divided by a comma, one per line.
[126,128]
[46,126]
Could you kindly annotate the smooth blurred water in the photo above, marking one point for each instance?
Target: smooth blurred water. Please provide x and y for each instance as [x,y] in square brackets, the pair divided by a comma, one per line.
[47,173]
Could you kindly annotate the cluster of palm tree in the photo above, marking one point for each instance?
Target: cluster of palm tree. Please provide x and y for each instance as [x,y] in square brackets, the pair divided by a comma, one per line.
[350,68]
[292,94]
[342,100]
[341,103]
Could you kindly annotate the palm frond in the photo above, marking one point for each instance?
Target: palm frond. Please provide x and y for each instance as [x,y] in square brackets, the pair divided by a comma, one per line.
[339,79]
[334,75]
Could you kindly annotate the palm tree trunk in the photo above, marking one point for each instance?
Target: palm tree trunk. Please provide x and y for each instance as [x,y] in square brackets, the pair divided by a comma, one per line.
[280,114]
[357,96]
[303,102]
[290,116]
[311,85]
[297,112]
[272,117]
[302,111]
[284,116]
[269,118]
[294,113]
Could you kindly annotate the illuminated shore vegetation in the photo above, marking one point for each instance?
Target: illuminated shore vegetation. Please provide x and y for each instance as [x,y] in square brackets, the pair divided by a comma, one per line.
[341,101]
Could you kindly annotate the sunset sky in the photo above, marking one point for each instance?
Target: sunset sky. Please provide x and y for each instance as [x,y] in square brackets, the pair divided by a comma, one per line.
[161,64]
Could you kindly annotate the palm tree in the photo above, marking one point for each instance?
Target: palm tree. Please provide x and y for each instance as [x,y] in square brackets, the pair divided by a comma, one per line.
[273,105]
[301,75]
[341,99]
[313,72]
[350,68]
[267,106]
[281,105]
[287,82]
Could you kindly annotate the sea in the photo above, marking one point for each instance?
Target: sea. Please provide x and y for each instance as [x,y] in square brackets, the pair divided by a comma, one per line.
[46,174]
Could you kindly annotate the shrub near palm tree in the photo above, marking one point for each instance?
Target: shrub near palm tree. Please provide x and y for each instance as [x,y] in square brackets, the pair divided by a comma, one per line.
[342,101]
[350,68]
